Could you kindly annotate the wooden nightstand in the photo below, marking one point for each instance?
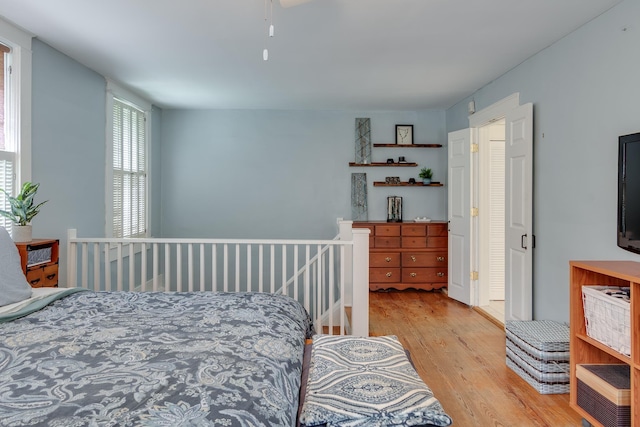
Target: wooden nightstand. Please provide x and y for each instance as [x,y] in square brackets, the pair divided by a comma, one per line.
[40,262]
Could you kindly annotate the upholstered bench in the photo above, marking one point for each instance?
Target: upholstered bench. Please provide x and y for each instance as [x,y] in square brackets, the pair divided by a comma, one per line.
[354,381]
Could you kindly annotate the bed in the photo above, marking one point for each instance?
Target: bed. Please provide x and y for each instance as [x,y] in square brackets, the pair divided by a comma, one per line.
[125,358]
[76,357]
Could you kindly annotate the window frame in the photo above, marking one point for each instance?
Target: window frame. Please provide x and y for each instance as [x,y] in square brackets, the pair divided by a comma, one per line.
[18,104]
[116,91]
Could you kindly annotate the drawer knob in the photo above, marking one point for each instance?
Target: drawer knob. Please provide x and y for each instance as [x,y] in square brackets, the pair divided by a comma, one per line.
[413,258]
[34,281]
[389,274]
[440,274]
[440,258]
[388,259]
[51,276]
[413,274]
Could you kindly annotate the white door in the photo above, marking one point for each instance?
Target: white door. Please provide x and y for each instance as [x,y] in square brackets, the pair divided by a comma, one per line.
[518,213]
[459,202]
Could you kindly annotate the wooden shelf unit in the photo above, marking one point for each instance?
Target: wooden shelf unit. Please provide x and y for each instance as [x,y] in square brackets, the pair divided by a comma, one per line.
[42,274]
[586,350]
[408,145]
[383,164]
[406,184]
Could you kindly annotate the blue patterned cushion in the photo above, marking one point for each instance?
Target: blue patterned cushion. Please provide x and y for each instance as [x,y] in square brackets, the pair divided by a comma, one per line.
[366,382]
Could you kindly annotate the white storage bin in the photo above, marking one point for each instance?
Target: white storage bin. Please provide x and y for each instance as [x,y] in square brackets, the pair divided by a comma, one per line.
[607,318]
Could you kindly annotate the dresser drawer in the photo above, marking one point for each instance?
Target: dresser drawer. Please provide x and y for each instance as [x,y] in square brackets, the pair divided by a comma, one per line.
[414,242]
[437,230]
[386,242]
[414,230]
[388,230]
[384,259]
[424,275]
[437,242]
[424,259]
[384,275]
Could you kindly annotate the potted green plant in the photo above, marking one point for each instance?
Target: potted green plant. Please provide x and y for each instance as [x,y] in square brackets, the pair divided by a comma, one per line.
[426,175]
[22,211]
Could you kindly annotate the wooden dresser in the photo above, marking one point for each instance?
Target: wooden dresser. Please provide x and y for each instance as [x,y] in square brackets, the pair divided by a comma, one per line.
[407,255]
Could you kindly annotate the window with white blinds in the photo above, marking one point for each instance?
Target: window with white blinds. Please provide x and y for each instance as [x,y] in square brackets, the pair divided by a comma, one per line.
[7,149]
[129,163]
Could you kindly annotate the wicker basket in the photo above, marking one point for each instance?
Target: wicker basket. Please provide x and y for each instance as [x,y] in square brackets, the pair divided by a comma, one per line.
[607,318]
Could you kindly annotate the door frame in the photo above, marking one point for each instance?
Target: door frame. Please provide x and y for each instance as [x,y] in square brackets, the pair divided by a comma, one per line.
[488,115]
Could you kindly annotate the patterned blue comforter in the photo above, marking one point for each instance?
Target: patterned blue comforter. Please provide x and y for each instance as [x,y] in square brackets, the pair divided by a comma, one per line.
[154,359]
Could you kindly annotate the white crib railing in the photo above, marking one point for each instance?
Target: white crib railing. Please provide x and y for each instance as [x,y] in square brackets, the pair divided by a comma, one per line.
[326,276]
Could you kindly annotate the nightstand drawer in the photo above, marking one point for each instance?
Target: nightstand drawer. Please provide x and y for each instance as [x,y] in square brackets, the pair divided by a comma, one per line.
[384,275]
[424,259]
[35,277]
[45,276]
[424,275]
[384,259]
[50,275]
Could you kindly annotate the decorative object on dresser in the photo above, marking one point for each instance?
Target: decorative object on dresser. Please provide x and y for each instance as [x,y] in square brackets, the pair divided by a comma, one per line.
[363,141]
[22,211]
[359,209]
[394,209]
[404,134]
[407,255]
[39,260]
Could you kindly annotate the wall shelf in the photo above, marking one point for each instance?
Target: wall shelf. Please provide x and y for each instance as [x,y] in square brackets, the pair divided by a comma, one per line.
[383,164]
[408,145]
[406,184]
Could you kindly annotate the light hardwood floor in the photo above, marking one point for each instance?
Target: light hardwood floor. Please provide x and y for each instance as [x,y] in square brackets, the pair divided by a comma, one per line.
[461,356]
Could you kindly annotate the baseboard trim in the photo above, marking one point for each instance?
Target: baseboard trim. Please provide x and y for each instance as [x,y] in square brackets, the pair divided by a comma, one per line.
[489,317]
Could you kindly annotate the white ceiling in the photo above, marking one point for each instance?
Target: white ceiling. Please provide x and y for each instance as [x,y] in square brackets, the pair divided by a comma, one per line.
[326,54]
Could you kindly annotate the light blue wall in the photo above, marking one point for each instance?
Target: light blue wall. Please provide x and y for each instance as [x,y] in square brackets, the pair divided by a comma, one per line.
[68,154]
[284,174]
[68,147]
[585,90]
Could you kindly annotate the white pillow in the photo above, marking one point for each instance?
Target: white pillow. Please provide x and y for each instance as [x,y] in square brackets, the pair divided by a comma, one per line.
[13,285]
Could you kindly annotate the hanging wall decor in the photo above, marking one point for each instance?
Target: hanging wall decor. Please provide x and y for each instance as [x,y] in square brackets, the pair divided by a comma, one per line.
[363,141]
[359,211]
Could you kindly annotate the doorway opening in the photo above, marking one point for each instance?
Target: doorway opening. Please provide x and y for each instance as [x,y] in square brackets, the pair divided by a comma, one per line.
[470,262]
[491,223]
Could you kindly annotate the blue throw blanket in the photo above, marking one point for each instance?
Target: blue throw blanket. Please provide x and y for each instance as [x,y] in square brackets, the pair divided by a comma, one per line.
[154,359]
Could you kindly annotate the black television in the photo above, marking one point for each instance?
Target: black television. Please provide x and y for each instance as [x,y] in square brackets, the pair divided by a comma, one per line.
[629,192]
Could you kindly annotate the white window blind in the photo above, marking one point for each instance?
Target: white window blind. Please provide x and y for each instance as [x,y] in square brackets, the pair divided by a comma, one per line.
[7,150]
[129,170]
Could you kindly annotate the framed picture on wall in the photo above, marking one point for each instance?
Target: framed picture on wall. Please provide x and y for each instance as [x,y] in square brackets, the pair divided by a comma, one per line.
[404,134]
